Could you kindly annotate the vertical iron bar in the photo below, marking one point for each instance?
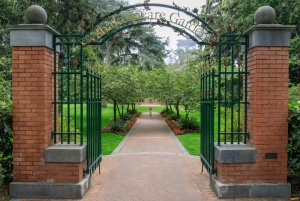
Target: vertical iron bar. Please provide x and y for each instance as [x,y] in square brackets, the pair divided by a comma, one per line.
[100,120]
[55,89]
[75,105]
[212,122]
[61,105]
[239,103]
[201,120]
[225,107]
[219,91]
[68,91]
[209,148]
[232,93]
[88,118]
[246,89]
[81,96]
[93,116]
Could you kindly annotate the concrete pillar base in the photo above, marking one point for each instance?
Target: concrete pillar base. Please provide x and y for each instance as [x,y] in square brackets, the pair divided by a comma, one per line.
[43,190]
[249,190]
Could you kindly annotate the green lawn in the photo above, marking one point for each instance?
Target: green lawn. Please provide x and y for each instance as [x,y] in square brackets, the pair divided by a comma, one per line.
[142,108]
[109,142]
[191,142]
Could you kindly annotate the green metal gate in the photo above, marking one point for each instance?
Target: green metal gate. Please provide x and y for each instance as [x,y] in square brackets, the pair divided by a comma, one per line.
[93,105]
[77,99]
[224,98]
[207,119]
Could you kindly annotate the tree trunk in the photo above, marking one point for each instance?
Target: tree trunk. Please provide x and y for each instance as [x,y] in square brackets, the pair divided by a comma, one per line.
[115,110]
[119,110]
[177,109]
[167,108]
[171,109]
[127,107]
[186,112]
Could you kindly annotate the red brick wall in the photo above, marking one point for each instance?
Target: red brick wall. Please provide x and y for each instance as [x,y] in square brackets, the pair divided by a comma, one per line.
[32,96]
[267,118]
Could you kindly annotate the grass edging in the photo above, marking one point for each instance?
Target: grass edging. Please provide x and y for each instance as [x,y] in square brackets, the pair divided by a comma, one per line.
[191,142]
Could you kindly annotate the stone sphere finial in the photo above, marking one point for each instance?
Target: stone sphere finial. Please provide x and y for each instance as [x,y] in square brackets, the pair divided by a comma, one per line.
[265,15]
[36,15]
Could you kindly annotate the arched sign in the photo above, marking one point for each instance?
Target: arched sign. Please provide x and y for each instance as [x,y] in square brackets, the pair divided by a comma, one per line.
[141,14]
[180,19]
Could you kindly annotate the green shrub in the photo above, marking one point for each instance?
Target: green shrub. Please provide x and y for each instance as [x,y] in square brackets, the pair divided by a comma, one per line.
[166,111]
[172,116]
[6,157]
[189,123]
[293,147]
[132,112]
[127,116]
[294,93]
[118,126]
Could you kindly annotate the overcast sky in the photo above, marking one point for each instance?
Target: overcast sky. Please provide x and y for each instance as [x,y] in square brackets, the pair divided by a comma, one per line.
[166,31]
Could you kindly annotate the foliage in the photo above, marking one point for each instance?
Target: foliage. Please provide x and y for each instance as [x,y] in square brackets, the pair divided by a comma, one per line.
[6,156]
[221,13]
[117,126]
[294,93]
[293,147]
[5,79]
[173,116]
[120,126]
[63,123]
[189,123]
[294,73]
[127,116]
[166,111]
[121,85]
[132,112]
[231,122]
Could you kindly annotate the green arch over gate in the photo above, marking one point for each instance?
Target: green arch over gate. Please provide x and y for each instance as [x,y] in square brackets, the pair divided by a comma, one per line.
[108,25]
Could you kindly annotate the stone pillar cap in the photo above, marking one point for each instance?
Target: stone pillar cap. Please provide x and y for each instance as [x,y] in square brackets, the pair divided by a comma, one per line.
[269,27]
[32,27]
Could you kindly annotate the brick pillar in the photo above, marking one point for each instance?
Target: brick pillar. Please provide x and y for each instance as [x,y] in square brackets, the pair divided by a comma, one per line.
[259,168]
[41,169]
[268,112]
[32,96]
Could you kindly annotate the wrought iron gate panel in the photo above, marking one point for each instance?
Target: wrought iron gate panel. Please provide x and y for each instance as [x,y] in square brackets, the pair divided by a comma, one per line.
[232,89]
[77,99]
[93,105]
[224,98]
[68,96]
[207,120]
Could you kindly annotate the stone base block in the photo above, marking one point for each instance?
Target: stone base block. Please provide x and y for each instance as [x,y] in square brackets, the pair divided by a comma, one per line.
[235,153]
[43,190]
[249,190]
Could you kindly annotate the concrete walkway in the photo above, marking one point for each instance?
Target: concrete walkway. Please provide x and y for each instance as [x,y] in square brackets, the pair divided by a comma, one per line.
[151,165]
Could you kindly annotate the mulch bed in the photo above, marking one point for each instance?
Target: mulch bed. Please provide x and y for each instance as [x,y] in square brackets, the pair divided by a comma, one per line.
[296,191]
[4,192]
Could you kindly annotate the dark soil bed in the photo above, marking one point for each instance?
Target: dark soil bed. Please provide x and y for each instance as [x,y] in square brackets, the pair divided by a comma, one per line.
[296,189]
[4,192]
